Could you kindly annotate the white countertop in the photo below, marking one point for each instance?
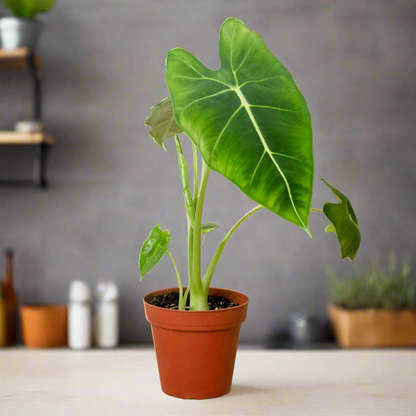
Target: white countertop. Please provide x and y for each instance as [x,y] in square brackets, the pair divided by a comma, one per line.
[125,382]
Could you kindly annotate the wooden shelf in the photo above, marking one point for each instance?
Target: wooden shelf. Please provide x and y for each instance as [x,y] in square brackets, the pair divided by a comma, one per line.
[17,138]
[17,58]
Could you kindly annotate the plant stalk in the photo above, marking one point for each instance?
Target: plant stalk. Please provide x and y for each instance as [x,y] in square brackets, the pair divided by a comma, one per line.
[185,296]
[214,261]
[190,253]
[316,210]
[183,170]
[190,229]
[198,299]
[196,172]
[181,307]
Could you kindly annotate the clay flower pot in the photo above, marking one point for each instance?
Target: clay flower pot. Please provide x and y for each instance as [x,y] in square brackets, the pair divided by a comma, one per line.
[44,326]
[372,328]
[195,350]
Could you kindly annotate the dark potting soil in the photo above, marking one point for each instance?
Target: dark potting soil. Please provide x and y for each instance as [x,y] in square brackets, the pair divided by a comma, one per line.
[171,300]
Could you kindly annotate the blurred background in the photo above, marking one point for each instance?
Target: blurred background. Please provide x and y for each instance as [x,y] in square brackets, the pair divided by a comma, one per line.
[103,69]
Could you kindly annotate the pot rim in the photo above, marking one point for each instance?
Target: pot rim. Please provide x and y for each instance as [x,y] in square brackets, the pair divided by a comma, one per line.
[43,307]
[372,310]
[172,289]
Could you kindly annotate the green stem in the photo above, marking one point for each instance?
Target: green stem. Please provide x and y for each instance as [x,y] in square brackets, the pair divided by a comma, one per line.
[190,253]
[196,172]
[178,277]
[214,261]
[198,299]
[185,296]
[183,169]
[190,229]
[316,210]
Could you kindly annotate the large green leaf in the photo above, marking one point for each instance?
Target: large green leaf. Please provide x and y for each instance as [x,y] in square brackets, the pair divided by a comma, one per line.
[162,122]
[344,223]
[153,249]
[249,120]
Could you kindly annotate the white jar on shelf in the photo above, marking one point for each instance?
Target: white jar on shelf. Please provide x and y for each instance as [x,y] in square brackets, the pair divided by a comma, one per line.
[79,316]
[106,325]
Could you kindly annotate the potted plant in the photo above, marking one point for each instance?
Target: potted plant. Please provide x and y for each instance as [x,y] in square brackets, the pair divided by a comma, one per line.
[22,29]
[250,123]
[374,308]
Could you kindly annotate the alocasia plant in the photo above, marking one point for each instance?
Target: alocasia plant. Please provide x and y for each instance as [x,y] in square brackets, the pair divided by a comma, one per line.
[250,123]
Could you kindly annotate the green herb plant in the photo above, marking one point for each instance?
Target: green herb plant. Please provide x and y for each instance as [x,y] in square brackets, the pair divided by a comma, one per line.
[28,9]
[374,288]
[250,123]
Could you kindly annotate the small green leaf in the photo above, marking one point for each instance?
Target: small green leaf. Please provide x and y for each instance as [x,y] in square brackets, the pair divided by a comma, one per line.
[162,122]
[330,228]
[344,223]
[153,249]
[208,227]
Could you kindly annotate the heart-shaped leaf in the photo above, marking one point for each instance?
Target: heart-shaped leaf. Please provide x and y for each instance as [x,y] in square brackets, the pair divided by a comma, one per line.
[162,122]
[153,249]
[208,227]
[344,223]
[249,120]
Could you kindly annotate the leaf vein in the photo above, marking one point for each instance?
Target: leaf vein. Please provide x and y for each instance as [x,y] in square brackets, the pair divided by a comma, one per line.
[274,108]
[204,98]
[202,76]
[259,80]
[223,130]
[282,154]
[255,170]
[248,52]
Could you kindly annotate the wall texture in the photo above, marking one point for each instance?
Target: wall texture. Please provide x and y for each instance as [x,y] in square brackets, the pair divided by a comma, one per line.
[110,184]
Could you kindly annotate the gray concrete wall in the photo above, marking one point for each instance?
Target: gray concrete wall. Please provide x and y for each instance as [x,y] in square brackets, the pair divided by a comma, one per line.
[110,184]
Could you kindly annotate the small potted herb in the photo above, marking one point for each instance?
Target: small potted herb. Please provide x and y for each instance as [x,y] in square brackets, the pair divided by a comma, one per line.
[249,122]
[22,29]
[374,308]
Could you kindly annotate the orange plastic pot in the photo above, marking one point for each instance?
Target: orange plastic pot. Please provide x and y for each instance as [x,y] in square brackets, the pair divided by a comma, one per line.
[195,350]
[44,326]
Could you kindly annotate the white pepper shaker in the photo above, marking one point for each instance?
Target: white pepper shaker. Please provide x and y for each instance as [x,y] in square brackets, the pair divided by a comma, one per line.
[79,316]
[106,326]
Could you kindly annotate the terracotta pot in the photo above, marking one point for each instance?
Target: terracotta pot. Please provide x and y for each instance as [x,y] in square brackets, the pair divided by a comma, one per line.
[195,350]
[44,326]
[373,327]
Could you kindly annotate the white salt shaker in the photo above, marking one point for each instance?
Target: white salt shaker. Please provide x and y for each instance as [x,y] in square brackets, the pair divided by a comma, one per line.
[79,316]
[106,329]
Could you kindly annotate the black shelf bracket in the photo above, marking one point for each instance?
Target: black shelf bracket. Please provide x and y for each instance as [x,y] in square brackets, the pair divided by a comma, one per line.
[37,85]
[39,171]
[40,163]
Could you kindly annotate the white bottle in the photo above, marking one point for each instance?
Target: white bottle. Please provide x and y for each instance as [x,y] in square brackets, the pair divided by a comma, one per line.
[106,329]
[79,316]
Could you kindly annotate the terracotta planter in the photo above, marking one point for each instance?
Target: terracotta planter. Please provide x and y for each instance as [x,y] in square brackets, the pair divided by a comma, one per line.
[44,326]
[196,351]
[373,328]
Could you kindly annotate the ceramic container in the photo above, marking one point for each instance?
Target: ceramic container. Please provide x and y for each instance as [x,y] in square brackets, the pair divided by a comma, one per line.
[196,350]
[44,326]
[16,32]
[373,327]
